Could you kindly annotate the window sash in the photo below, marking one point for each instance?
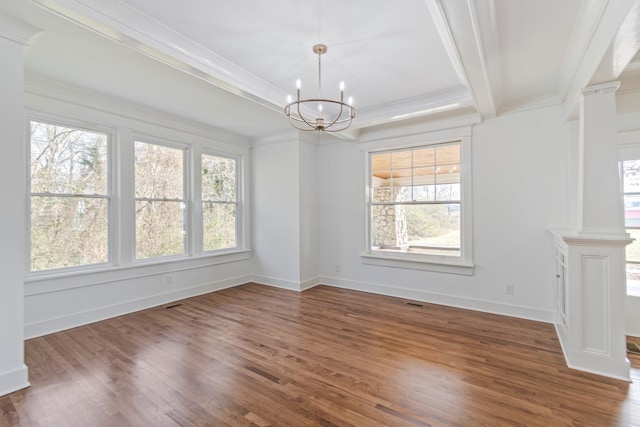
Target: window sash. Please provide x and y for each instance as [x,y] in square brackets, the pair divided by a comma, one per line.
[106,160]
[408,180]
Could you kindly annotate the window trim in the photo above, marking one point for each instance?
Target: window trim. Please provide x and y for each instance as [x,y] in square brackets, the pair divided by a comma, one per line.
[454,265]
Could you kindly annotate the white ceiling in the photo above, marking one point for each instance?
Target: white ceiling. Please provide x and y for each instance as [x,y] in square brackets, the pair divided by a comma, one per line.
[400,60]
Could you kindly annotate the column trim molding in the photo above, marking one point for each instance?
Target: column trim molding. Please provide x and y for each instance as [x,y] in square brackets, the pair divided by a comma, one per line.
[601,88]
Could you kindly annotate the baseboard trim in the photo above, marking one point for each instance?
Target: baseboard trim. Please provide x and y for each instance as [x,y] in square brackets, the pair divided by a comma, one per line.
[14,380]
[448,300]
[50,326]
[286,284]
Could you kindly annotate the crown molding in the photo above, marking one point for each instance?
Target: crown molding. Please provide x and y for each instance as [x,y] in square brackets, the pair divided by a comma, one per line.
[469,118]
[520,105]
[425,105]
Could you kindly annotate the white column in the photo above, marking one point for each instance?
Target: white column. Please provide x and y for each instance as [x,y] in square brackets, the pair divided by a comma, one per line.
[600,204]
[13,36]
[593,335]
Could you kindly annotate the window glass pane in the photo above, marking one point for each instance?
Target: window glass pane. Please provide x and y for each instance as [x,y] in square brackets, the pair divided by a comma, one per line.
[159,229]
[68,231]
[424,193]
[400,194]
[632,211]
[429,229]
[218,178]
[381,162]
[424,176]
[159,171]
[219,220]
[446,192]
[423,181]
[67,161]
[631,176]
[434,226]
[401,160]
[448,155]
[424,157]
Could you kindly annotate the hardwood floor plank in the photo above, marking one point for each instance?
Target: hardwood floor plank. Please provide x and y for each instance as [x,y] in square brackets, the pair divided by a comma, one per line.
[259,356]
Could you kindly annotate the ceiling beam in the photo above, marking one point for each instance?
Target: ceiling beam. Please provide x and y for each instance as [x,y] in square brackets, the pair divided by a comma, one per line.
[129,27]
[597,36]
[461,28]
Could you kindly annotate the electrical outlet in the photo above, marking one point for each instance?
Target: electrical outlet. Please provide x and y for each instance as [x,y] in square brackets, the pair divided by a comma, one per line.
[509,289]
[337,268]
[169,280]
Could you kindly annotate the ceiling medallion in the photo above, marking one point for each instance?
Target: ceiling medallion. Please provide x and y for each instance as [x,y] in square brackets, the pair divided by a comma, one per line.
[332,115]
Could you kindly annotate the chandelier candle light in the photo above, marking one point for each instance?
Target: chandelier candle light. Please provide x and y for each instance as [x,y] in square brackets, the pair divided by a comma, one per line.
[338,116]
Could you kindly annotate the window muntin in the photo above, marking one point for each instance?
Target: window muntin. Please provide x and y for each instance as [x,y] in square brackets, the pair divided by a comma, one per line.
[219,202]
[69,196]
[160,202]
[415,200]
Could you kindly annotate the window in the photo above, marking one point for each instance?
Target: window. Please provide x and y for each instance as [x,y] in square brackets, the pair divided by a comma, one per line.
[415,205]
[219,202]
[630,176]
[160,203]
[101,199]
[69,196]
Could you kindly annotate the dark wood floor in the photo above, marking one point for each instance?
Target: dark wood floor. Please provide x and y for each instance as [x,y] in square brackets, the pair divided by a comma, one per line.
[259,356]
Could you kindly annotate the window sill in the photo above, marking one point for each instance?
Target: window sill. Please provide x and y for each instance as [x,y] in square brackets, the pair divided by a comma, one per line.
[418,262]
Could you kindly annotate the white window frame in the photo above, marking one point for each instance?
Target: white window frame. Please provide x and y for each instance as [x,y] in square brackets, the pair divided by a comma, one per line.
[462,264]
[187,198]
[111,200]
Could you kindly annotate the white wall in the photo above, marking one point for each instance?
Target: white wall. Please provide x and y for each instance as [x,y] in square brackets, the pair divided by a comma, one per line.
[308,177]
[13,373]
[519,191]
[285,212]
[56,304]
[276,213]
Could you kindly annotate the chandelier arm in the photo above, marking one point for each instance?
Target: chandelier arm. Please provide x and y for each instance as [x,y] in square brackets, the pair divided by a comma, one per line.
[339,120]
[337,117]
[301,116]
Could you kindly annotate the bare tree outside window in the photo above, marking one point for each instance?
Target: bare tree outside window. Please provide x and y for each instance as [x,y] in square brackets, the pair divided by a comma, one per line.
[160,201]
[69,197]
[219,202]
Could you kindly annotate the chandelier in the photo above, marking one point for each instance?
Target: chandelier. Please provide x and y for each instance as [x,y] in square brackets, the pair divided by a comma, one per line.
[332,115]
